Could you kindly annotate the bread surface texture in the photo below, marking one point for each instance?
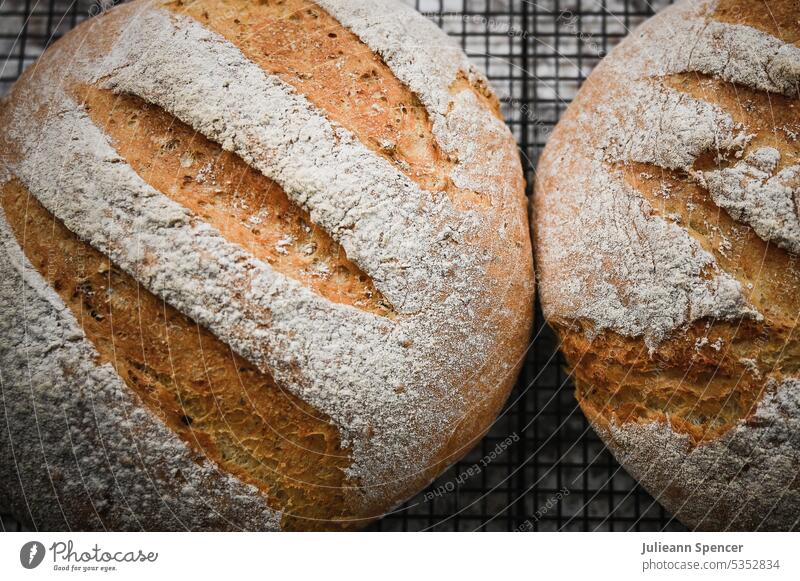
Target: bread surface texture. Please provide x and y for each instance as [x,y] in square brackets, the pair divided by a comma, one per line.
[264,266]
[667,236]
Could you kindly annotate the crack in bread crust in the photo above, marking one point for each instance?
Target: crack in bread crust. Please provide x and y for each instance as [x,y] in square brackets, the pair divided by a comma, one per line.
[769,273]
[720,386]
[298,41]
[222,190]
[728,363]
[216,401]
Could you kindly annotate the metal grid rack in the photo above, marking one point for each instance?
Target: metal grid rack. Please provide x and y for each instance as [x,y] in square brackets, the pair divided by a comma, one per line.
[541,467]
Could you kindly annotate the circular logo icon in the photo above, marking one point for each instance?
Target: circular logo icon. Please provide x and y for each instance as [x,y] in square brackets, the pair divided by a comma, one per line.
[31,554]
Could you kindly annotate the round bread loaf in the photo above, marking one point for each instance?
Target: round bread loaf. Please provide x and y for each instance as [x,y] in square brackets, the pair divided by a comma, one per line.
[264,265]
[668,233]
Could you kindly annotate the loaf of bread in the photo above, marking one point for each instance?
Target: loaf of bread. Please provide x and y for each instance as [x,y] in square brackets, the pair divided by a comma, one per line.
[667,231]
[264,265]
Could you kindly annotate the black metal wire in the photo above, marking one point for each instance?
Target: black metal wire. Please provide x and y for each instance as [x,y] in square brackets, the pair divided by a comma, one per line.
[540,467]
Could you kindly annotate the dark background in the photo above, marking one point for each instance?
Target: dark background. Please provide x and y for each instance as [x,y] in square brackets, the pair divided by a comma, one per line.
[541,467]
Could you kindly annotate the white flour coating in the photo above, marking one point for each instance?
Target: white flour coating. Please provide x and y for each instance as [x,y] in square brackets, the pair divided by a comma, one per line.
[735,53]
[418,52]
[374,377]
[682,39]
[606,257]
[481,144]
[428,61]
[312,346]
[752,192]
[666,272]
[119,457]
[659,125]
[357,196]
[639,119]
[741,54]
[746,480]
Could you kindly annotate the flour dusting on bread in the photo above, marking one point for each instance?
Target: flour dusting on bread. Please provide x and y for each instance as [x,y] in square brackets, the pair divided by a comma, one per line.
[403,391]
[668,227]
[113,440]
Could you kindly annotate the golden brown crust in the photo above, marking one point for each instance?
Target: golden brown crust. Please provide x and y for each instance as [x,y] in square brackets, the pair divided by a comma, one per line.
[767,117]
[303,45]
[701,391]
[244,205]
[167,154]
[215,400]
[778,19]
[676,171]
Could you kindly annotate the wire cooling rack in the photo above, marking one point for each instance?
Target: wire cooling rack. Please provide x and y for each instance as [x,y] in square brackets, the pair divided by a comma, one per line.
[541,468]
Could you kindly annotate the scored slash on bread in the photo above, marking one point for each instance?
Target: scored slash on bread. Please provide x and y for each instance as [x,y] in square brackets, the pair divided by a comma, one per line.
[390,351]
